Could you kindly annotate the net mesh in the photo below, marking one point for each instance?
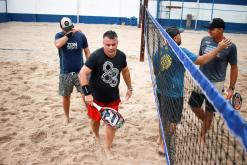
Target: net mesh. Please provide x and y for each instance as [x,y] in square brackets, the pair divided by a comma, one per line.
[186,139]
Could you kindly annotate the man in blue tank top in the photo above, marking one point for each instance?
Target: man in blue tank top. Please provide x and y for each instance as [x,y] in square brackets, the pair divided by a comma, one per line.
[70,43]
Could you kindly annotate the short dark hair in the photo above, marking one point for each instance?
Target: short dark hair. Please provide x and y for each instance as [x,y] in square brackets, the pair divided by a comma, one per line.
[110,34]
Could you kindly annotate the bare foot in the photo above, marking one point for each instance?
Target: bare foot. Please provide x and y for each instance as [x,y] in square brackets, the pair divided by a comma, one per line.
[97,140]
[108,154]
[66,121]
[201,139]
[161,150]
[159,141]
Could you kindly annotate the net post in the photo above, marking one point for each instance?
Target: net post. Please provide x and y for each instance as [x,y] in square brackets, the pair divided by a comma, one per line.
[144,6]
[140,15]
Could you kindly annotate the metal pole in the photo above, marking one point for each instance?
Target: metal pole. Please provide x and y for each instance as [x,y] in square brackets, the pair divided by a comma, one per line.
[198,11]
[140,15]
[35,12]
[170,9]
[212,13]
[78,12]
[142,32]
[158,10]
[182,12]
[7,15]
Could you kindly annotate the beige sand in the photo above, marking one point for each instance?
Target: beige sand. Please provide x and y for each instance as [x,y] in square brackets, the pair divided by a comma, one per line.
[31,114]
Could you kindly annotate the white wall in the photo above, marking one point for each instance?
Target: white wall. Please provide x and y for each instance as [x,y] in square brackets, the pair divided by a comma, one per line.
[66,7]
[2,6]
[152,7]
[111,8]
[21,6]
[205,12]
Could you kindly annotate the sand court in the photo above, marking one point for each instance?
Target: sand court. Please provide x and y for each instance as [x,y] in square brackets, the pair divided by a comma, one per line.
[31,114]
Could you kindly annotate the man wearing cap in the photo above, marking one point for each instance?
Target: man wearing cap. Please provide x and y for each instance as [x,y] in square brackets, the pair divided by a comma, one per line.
[70,43]
[169,73]
[215,71]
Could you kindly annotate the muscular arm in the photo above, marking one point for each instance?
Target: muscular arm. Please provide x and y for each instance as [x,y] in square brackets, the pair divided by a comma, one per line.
[61,42]
[126,77]
[87,52]
[84,74]
[233,75]
[201,60]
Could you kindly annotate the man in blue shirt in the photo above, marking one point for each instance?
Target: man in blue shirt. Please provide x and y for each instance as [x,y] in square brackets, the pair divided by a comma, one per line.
[70,43]
[215,71]
[169,73]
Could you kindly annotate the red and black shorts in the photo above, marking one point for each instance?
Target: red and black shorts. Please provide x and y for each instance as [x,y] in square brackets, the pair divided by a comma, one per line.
[94,114]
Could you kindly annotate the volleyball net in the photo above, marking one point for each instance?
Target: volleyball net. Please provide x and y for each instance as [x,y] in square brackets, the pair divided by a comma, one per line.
[191,137]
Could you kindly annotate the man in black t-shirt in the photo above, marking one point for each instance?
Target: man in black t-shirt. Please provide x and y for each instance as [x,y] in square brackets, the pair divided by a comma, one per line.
[104,67]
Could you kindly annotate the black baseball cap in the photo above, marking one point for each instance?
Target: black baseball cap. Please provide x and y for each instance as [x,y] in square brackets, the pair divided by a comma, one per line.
[173,31]
[216,23]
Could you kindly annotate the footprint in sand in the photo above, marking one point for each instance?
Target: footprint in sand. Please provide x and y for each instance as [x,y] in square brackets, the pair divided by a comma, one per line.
[4,120]
[47,150]
[56,106]
[33,68]
[49,73]
[23,97]
[7,138]
[74,139]
[7,89]
[25,110]
[55,158]
[8,113]
[13,93]
[59,116]
[38,136]
[85,156]
[2,109]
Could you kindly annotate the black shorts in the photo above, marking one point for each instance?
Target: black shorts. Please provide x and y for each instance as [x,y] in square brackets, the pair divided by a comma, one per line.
[197,99]
[171,108]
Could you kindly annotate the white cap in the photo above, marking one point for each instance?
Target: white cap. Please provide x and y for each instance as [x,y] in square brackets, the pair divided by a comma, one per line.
[66,23]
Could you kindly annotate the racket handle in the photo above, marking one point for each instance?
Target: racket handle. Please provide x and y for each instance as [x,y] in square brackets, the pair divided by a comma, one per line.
[97,106]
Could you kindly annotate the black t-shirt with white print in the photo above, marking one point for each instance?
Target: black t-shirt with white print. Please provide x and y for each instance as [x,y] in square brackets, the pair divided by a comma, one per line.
[105,77]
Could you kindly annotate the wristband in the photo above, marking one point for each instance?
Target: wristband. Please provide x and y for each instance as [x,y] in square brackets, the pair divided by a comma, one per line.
[86,90]
[69,34]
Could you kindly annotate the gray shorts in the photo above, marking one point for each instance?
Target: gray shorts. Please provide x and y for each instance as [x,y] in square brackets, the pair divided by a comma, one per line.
[67,83]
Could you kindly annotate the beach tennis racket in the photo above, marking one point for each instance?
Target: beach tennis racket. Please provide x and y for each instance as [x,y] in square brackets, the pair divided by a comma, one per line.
[235,101]
[110,116]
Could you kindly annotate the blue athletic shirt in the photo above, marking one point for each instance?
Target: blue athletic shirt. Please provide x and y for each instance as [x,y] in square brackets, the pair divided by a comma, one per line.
[71,55]
[169,71]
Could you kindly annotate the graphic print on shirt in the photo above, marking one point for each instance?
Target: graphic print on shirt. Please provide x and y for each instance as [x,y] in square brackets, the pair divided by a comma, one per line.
[165,62]
[110,75]
[71,45]
[209,48]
